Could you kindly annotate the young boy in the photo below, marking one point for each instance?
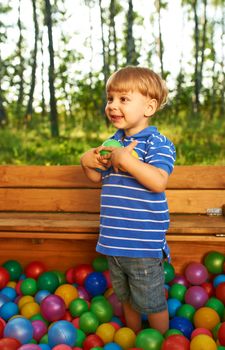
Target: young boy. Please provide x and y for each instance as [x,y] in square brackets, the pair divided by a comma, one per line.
[134,214]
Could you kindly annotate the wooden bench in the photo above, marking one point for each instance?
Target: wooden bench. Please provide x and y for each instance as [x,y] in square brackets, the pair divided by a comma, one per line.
[51,214]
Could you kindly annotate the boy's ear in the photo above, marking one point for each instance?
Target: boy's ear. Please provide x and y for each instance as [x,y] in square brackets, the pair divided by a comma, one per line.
[151,107]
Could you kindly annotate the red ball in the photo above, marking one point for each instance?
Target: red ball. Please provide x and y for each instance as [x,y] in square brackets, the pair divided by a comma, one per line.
[176,342]
[208,288]
[92,341]
[80,272]
[4,277]
[220,292]
[221,334]
[69,275]
[9,344]
[34,269]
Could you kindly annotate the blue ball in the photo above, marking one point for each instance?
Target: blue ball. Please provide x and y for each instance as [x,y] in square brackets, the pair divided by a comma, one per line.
[95,283]
[44,346]
[112,346]
[173,305]
[62,332]
[183,325]
[19,328]
[9,292]
[40,295]
[3,299]
[9,310]
[218,279]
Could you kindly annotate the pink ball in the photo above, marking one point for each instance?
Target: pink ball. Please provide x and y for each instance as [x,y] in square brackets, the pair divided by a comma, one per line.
[40,329]
[198,331]
[180,279]
[196,296]
[116,304]
[62,347]
[196,273]
[53,308]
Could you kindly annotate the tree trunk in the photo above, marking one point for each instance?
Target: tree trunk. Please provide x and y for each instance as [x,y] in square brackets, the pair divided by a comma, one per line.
[19,104]
[51,72]
[113,38]
[161,49]
[131,54]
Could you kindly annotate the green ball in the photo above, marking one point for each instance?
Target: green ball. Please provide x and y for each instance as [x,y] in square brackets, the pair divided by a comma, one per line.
[28,286]
[102,309]
[39,317]
[177,291]
[215,331]
[149,339]
[172,331]
[110,143]
[214,261]
[48,281]
[169,272]
[78,306]
[220,347]
[14,268]
[100,264]
[186,311]
[216,305]
[88,322]
[61,276]
[80,338]
[44,339]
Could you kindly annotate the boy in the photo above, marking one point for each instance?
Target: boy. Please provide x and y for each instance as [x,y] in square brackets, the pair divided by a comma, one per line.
[134,214]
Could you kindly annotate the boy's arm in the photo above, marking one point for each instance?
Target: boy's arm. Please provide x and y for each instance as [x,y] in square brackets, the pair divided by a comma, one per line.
[90,162]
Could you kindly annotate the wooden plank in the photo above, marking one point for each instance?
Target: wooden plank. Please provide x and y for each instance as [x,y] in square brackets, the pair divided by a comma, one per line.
[87,200]
[72,176]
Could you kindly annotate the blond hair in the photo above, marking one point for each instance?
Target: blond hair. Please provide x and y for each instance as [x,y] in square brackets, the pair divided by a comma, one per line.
[140,79]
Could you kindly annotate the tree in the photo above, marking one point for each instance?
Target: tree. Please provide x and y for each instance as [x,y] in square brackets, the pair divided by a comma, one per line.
[131,54]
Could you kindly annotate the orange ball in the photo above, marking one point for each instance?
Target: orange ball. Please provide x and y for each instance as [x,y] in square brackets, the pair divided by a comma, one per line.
[67,292]
[206,317]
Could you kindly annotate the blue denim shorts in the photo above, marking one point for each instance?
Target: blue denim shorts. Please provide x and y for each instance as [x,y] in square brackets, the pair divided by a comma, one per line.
[139,281]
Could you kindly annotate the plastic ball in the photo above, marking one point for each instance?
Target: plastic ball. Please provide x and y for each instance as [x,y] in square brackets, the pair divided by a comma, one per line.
[183,324]
[205,317]
[28,286]
[40,295]
[176,342]
[62,347]
[48,281]
[53,308]
[172,331]
[125,337]
[91,341]
[220,292]
[34,269]
[177,291]
[149,339]
[196,273]
[180,279]
[80,272]
[9,292]
[173,305]
[62,332]
[61,276]
[9,310]
[208,288]
[100,263]
[9,344]
[30,309]
[39,328]
[169,272]
[19,328]
[216,305]
[95,283]
[218,279]
[14,268]
[203,342]
[221,334]
[4,277]
[88,322]
[116,304]
[112,346]
[214,262]
[196,296]
[106,332]
[80,337]
[110,143]
[67,292]
[24,300]
[198,331]
[102,309]
[78,306]
[187,311]
[83,293]
[29,347]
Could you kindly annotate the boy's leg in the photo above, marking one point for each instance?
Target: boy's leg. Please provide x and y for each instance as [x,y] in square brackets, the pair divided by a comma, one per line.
[159,321]
[132,317]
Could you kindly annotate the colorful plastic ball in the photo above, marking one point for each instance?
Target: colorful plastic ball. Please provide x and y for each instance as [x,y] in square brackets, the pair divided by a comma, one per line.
[29,347]
[30,309]
[9,310]
[88,322]
[83,293]
[221,334]
[198,331]
[62,332]
[80,272]
[91,341]
[214,262]
[39,328]
[196,296]
[53,308]
[67,292]
[196,273]
[218,279]
[183,324]
[180,279]
[205,317]
[149,339]
[106,273]
[106,332]
[2,327]
[112,346]
[40,295]
[172,331]
[9,344]
[216,305]
[109,143]
[48,281]
[78,306]
[14,268]
[116,304]
[19,328]
[173,305]
[102,309]
[62,347]
[4,277]
[95,283]
[203,342]
[208,286]
[34,269]
[177,291]
[80,337]
[100,263]
[220,292]
[187,311]
[125,337]
[176,342]
[28,286]
[169,272]
[9,292]
[61,276]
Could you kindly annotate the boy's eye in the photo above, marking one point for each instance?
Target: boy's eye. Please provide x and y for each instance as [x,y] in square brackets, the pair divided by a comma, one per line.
[124,99]
[109,99]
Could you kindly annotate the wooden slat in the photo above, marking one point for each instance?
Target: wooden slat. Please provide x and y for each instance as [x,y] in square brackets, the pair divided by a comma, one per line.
[87,200]
[72,176]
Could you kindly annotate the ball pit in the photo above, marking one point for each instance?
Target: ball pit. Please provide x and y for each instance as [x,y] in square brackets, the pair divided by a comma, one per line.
[78,309]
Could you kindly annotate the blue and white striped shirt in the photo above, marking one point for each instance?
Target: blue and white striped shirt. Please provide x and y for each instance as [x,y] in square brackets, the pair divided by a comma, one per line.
[133,219]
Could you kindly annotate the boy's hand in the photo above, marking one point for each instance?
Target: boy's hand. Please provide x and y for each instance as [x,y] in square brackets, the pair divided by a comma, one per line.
[120,156]
[93,160]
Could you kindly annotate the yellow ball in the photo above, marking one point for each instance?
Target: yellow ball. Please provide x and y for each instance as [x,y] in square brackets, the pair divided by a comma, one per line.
[108,292]
[206,317]
[134,154]
[30,309]
[125,337]
[203,342]
[106,332]
[11,284]
[24,300]
[67,292]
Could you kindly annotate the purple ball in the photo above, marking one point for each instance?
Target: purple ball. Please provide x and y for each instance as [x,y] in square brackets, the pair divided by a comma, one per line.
[53,308]
[180,279]
[196,296]
[196,273]
[29,347]
[116,304]
[40,329]
[83,293]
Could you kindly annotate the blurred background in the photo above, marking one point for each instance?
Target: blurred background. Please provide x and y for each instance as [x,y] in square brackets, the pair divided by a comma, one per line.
[56,56]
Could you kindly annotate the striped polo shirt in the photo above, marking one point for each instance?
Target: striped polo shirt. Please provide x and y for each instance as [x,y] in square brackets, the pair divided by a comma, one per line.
[133,219]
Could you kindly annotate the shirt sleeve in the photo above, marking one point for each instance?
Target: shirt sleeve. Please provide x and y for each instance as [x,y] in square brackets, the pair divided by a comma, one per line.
[161,153]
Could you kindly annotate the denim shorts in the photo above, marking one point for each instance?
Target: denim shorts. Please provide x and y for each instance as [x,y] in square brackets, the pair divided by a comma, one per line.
[139,281]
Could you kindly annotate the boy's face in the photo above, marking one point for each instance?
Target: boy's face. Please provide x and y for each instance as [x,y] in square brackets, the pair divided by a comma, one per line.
[129,110]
